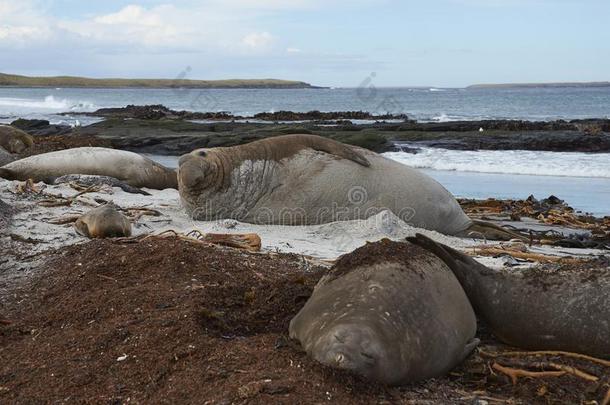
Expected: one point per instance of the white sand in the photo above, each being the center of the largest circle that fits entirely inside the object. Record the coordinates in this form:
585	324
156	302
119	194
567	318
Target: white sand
326	241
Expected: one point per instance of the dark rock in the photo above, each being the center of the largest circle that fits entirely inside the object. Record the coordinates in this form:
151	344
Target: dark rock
41	127
556	140
324	116
27	125
158	111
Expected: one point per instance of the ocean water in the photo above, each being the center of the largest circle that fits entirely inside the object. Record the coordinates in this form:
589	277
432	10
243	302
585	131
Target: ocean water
583	180
419	103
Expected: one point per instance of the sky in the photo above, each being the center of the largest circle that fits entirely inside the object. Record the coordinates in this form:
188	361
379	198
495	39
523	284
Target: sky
444	43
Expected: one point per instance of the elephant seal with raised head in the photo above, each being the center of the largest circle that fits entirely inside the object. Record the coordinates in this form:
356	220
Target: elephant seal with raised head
308	179
14	140
103	222
132	168
389	311
549	307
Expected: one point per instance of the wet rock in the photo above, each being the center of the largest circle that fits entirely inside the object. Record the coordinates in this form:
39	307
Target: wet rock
40	127
158	111
318	116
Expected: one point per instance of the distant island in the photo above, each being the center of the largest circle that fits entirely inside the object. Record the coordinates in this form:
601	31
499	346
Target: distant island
9	80
538	85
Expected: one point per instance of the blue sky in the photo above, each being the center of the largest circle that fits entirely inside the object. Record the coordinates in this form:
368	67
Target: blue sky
327	42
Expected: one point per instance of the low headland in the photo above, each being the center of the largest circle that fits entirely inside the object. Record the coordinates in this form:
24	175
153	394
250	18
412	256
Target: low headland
9	80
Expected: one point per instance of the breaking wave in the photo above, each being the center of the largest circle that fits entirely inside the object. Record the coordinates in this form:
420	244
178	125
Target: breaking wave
540	163
47	103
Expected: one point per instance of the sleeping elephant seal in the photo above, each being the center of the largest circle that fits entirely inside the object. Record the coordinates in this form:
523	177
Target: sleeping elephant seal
308	179
103	222
132	168
550	307
389	311
14	140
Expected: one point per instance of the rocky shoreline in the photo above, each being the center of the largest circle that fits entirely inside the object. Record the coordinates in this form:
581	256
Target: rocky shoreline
159	130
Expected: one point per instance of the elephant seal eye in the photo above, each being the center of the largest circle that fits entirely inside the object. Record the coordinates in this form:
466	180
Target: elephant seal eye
202	153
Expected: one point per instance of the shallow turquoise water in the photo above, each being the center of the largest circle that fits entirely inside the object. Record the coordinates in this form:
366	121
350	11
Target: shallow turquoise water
585	194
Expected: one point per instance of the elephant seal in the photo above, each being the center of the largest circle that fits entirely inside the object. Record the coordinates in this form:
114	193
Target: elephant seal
389	311
103	222
14	140
308	179
5	157
132	168
550	307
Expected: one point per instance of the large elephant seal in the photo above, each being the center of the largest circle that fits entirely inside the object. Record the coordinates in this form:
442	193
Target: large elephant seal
103	222
550	307
14	140
307	179
132	168
389	311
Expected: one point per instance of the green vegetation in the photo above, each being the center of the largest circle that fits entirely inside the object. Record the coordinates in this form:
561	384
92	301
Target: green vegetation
72	81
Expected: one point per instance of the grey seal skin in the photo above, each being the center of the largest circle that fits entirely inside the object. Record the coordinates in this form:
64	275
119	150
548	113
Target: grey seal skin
132	168
14	140
5	157
566	307
308	179
389	311
103	222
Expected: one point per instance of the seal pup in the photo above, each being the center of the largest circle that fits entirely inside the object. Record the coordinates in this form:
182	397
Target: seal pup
389	311
550	307
308	179
103	222
14	140
132	168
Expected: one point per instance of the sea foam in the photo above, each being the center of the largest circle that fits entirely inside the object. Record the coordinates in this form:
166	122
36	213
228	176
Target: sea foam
541	163
47	103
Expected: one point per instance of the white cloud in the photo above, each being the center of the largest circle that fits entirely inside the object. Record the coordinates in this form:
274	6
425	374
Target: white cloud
21	23
131	15
258	40
230	26
293	50
157	27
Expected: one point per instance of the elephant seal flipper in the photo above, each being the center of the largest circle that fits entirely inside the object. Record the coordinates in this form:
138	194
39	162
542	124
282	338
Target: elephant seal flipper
93	180
338	149
548	307
491	231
